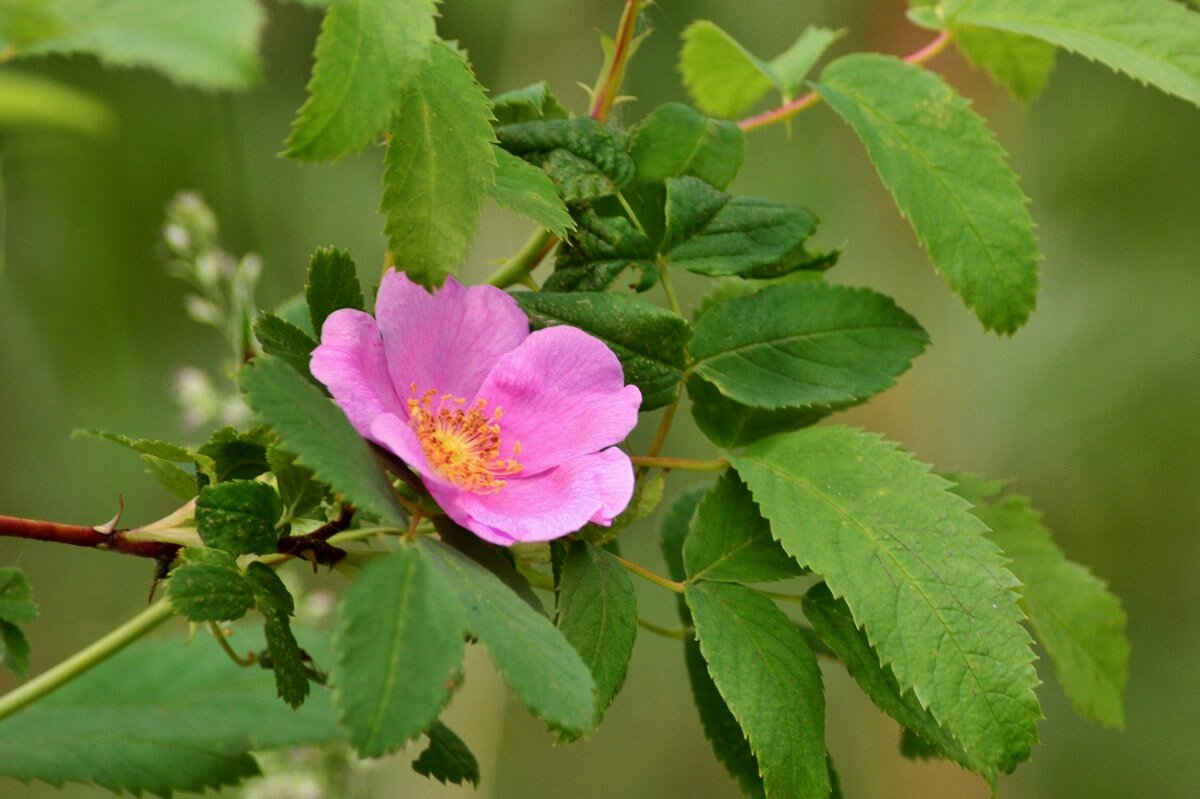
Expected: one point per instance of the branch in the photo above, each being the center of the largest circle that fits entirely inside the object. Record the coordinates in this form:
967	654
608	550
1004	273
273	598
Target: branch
610	83
81	536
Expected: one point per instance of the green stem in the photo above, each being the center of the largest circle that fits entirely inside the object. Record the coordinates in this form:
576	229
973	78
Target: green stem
669	288
657	579
629	213
681	633
683	464
86	658
781	597
521	264
219	634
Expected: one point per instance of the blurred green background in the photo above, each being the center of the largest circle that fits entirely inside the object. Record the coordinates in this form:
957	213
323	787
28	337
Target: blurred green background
1092	407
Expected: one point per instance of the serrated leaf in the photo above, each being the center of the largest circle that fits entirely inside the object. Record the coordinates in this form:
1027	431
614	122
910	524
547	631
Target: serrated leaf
727	423
238	455
159	449
728	742
211	44
537	663
530	192
761	664
650	341
298	490
673	530
1022	64
210	591
1151	40
159	717
1074	616
319	435
367	54
586	159
805	345
332	285
16	596
597	614
399	645
439	167
832	620
598	251
239	517
527	104
647	494
729	541
948	176
447	759
714	233
274	602
674	141
29	101
496	559
722	77
915	568
791	67
285	341
178	483
14	649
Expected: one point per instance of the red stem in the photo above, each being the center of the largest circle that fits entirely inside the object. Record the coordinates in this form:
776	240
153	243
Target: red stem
606	96
80	536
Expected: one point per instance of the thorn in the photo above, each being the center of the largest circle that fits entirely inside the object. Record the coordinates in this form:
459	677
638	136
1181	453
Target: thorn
110	525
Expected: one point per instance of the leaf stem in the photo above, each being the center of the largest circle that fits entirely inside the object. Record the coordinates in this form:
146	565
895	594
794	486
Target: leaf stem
86	658
610	82
681	633
780	597
669	288
219	634
524	262
643	572
789	110
682	464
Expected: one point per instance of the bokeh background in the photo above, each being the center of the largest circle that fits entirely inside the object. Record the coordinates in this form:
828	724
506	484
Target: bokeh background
1092	406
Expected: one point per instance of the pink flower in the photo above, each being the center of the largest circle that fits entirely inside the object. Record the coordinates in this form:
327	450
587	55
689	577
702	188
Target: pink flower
511	431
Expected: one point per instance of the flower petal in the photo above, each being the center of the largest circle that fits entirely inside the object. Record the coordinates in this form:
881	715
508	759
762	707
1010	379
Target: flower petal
350	362
563	394
594	487
447	341
394	434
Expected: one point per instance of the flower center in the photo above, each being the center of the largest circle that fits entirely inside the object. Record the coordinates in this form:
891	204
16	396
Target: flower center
461	441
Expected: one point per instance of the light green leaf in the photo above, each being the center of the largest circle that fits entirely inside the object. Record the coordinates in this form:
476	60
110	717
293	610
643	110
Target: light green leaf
178	482
598	251
298	491
1074	616
399	645
1021	64
31	101
674	141
649	341
919	575
210	591
729	540
319	435
239	517
948	177
586	159
538	664
16	596
286	342
275	603
530	192
805	345
722	77
14	649
721	729
447	758
160	717
207	43
1151	40
439	167
527	104
768	677
731	424
791	67
159	449
332	285
597	614
367	54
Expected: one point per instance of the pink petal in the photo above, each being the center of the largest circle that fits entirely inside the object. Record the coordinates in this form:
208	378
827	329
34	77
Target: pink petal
350	362
447	341
594	487
563	395
395	435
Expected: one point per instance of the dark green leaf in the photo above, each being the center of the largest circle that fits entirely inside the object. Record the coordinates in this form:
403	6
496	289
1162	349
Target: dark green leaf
673	530
447	758
298	491
367	54
16	596
14	649
318	434
731	424
527	104
585	158
496	559
721	729
530	192
729	541
762	665
650	341
238	455
598	251
274	602
597	614
210	591
159	449
285	341
948	176
179	483
675	141
805	345
332	285
239	517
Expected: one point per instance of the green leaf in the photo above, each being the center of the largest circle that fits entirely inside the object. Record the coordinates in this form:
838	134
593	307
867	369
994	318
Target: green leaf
368	53
762	665
791	67
286	342
673	530
674	141
179	483
530	192
275	603
832	620
729	541
731	424
298	491
159	717
538	664
527	104
399	645
597	614
159	449
496	559
948	176
207	43
714	233
332	285
239	517
1074	616
917	572
586	159
238	455
29	101
721	729
650	341
1021	64
805	345
16	596
318	434
647	494
439	167
14	649
722	77
598	251
447	758
1151	40
210	591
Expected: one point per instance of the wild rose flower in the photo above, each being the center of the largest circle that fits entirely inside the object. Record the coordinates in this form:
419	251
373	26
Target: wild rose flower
511	431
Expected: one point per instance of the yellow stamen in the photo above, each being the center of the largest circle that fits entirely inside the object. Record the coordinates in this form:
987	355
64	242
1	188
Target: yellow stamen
461	442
